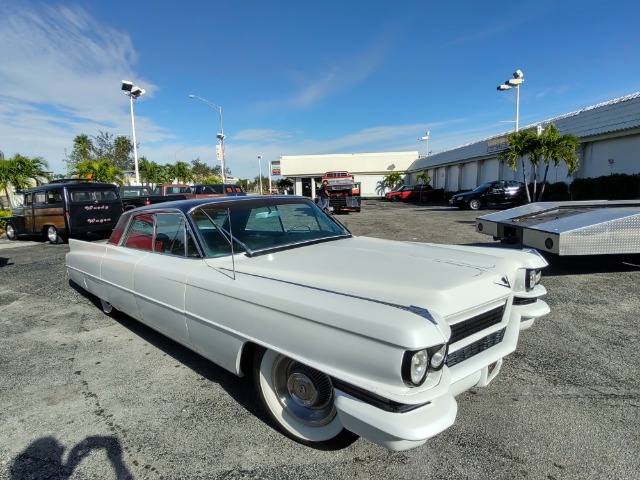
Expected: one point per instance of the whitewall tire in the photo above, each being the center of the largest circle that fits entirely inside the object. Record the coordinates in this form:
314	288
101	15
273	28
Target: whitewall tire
300	400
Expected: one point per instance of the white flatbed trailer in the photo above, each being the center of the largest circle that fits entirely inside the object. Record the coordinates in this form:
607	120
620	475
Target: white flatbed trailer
594	227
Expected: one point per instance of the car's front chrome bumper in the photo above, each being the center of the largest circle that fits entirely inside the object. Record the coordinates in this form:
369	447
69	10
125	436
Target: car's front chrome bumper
392	430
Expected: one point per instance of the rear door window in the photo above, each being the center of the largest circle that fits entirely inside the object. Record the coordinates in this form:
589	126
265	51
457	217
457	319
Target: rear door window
54	197
39	198
172	236
140	234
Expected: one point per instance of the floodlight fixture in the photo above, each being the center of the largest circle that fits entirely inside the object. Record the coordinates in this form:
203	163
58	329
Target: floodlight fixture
133	93
137	91
515	82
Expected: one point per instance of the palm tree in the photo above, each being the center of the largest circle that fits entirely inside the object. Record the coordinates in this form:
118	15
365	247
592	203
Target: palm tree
22	172
392	180
83	150
5	176
181	172
99	171
83	145
556	147
535	154
424	177
151	172
122	149
520	145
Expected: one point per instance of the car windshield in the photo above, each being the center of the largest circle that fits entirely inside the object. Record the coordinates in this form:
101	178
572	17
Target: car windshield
263	225
483	187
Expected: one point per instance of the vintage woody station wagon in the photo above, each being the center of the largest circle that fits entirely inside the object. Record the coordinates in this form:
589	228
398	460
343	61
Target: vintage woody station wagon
66	208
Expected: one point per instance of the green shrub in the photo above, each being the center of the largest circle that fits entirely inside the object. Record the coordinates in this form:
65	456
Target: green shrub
610	187
555	192
3	222
437	195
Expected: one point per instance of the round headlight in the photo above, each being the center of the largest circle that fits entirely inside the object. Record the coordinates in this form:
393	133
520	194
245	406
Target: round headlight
532	279
438	357
415	366
419	366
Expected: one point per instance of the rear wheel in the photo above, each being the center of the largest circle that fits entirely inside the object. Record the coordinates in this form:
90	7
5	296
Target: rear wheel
53	235
11	232
107	308
300	400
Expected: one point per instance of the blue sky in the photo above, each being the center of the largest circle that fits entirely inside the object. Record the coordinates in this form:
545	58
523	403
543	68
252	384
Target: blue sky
302	77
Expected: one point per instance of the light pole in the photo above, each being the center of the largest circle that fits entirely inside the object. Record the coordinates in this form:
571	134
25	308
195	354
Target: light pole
270	170
219	136
426	137
133	93
260	171
516	81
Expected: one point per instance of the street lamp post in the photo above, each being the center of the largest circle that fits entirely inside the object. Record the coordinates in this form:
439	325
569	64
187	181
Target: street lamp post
516	81
260	172
426	137
133	93
270	170
220	136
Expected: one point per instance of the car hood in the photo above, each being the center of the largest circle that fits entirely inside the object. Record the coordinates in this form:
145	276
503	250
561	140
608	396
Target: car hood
440	278
466	194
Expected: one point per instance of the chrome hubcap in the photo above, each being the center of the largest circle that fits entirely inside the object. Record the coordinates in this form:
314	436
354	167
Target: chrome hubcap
305	393
52	234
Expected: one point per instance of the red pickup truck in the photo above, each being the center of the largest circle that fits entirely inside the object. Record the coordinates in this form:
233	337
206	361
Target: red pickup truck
138	196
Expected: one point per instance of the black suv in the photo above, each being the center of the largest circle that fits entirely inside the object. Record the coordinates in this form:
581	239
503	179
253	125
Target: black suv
498	193
66	208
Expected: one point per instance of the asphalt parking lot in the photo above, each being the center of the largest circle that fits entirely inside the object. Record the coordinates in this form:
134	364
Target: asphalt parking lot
84	396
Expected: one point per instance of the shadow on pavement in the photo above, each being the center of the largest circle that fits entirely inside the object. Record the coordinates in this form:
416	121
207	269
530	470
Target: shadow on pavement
239	388
43	458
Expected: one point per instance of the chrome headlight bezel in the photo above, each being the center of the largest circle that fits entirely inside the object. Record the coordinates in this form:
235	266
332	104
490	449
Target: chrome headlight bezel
416	364
532	278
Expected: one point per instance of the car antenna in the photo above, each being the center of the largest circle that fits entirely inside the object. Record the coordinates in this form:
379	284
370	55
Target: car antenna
233	257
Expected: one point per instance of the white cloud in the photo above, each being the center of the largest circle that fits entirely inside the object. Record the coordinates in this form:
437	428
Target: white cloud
60	77
329	79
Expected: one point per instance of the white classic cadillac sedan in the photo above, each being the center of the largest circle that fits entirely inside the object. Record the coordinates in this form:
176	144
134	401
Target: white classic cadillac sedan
273	287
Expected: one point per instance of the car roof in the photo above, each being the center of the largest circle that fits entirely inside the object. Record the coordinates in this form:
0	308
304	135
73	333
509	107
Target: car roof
187	205
58	184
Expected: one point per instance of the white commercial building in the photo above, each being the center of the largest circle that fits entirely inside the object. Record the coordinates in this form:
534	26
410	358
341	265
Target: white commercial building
368	169
609	136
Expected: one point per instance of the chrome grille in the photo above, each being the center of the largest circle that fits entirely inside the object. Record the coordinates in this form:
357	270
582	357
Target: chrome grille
475	348
476	324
